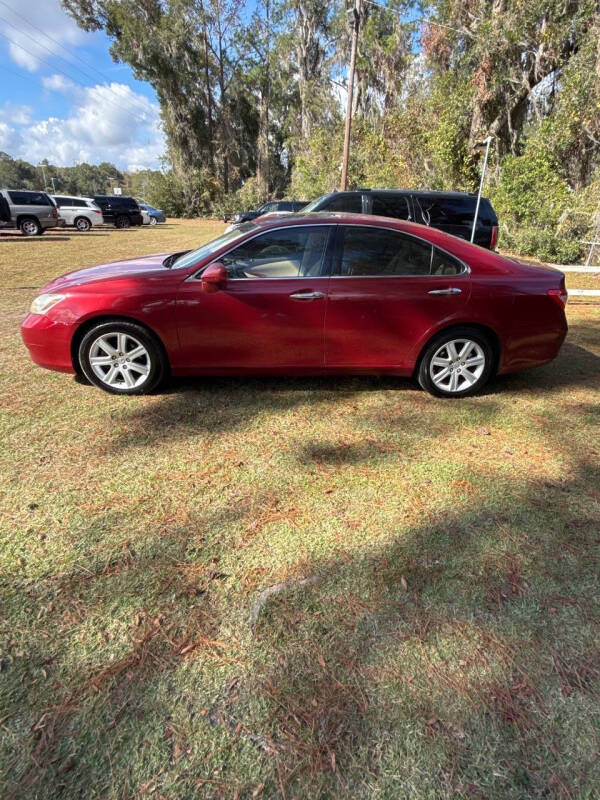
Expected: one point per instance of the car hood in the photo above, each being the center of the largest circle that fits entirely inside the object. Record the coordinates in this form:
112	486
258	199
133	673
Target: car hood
132	267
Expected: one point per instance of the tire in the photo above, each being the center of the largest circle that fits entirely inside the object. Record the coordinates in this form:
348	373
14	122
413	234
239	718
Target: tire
122	221
30	226
82	224
153	221
105	357
456	363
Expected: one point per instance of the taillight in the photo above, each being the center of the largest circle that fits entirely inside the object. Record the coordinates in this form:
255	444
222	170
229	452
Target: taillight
96	211
494	237
559	296
55	212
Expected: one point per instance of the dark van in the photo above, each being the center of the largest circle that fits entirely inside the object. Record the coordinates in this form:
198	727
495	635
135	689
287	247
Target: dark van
452	212
118	210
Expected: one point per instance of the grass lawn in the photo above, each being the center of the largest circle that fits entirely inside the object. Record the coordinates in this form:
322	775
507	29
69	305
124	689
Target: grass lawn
437	631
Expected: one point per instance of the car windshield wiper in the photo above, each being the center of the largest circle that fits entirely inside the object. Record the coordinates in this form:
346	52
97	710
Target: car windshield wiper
170	260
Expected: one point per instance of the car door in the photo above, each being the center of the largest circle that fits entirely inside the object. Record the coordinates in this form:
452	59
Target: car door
387	290
270	313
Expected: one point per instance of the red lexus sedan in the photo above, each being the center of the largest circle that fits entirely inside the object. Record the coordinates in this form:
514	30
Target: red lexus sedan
313	294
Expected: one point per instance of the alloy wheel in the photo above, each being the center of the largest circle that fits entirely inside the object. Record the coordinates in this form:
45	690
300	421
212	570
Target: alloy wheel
457	365
120	360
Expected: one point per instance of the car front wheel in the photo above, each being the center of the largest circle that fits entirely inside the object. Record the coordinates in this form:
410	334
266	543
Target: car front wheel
456	363
122	358
153	220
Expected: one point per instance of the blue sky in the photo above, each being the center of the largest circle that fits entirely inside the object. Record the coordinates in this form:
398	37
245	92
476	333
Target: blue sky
63	98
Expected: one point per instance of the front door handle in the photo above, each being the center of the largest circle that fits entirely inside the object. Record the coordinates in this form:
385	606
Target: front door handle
307	296
451	290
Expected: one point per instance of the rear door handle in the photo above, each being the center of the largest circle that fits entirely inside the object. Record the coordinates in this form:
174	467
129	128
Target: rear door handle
307	296
451	290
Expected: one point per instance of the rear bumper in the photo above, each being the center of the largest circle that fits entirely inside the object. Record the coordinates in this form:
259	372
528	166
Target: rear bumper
52	223
48	342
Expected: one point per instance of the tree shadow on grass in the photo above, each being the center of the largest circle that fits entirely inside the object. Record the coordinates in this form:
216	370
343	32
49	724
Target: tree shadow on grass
465	634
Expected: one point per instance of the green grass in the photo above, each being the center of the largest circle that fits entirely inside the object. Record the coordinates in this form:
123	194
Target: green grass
446	647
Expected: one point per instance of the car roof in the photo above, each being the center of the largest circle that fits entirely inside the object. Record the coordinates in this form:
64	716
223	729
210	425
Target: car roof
74	196
416	192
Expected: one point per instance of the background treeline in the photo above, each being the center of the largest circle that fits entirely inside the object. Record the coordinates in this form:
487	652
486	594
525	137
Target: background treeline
252	102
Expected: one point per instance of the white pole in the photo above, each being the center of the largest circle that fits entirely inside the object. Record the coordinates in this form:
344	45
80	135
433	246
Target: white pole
488	142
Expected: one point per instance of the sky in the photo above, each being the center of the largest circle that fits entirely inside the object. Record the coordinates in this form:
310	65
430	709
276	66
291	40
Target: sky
63	98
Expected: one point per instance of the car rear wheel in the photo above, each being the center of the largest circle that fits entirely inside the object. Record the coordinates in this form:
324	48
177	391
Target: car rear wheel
153	220
456	363
83	224
122	358
122	221
30	226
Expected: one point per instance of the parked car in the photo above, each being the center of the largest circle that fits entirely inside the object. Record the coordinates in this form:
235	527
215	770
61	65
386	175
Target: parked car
156	215
78	212
452	212
274	206
119	210
31	212
312	294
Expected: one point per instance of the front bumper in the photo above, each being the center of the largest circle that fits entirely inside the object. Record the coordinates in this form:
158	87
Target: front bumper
48	342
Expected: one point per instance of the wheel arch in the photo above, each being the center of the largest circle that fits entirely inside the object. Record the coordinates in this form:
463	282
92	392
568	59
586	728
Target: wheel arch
88	324
21	217
486	330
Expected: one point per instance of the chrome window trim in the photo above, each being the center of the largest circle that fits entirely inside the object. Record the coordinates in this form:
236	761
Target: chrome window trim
466	267
196	276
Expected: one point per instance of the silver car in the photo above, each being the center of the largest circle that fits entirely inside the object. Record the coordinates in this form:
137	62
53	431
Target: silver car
31	212
79	212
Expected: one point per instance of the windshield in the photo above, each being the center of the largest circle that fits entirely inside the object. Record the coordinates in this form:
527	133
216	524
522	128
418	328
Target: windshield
191	258
314	204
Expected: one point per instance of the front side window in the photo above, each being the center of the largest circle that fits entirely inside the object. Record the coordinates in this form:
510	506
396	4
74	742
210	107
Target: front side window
293	252
370	252
349	203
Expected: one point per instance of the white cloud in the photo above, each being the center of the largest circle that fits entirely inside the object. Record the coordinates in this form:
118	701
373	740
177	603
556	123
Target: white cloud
28	47
14	114
9	138
107	123
57	83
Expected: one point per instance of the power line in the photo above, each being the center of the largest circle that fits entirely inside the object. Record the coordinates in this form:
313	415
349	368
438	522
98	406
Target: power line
66	75
62	47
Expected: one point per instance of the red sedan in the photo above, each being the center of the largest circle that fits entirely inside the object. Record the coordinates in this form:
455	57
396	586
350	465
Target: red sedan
313	294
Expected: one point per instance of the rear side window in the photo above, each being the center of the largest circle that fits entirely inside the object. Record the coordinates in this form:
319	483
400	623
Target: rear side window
394	206
453	211
350	203
30	198
370	252
375	252
445	264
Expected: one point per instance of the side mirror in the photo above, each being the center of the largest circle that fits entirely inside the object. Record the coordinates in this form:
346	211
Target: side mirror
214	277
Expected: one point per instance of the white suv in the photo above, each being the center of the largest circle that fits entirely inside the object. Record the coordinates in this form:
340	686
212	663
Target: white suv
80	212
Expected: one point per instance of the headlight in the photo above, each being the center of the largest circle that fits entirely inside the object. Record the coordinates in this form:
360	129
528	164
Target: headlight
45	302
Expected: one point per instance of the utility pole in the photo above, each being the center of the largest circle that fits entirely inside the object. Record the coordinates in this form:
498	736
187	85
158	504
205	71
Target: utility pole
355	26
44	174
53	184
486	143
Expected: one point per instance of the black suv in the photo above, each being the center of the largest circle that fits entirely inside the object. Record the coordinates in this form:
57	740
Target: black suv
451	212
120	211
273	206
